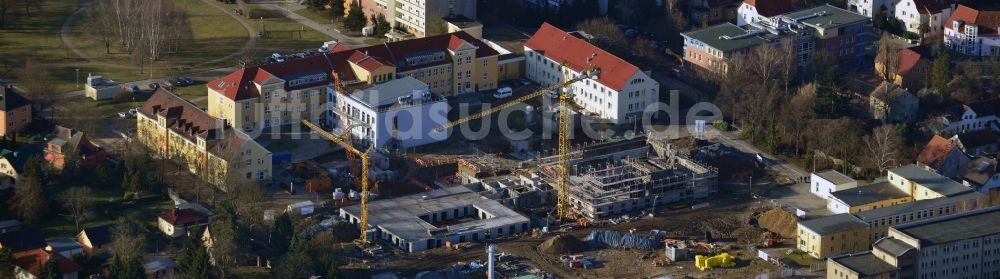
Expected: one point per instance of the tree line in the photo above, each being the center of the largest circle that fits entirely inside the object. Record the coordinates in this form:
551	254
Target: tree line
144	29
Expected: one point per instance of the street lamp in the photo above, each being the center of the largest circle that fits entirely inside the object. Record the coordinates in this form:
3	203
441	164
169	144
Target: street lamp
77	77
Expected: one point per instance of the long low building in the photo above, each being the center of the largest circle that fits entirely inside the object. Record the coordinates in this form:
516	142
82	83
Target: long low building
425	221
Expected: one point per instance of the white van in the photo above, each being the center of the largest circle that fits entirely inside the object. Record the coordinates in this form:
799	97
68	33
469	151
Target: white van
503	92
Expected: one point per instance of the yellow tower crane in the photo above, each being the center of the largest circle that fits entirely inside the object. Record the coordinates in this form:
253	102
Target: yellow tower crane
350	149
562	167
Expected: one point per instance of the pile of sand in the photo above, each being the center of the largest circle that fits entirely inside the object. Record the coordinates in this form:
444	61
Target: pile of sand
779	221
562	244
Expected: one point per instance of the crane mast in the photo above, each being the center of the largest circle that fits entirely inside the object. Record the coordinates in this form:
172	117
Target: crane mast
365	165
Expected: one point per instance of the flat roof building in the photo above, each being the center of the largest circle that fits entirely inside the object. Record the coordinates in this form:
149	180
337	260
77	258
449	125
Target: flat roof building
880	219
399	113
832	235
868	197
429	220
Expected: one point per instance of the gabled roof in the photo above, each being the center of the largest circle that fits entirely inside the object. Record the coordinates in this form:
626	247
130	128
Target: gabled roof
33	260
366	62
193	123
979	171
908	58
977	138
932	6
981	108
769	8
935	152
183	217
987	21
888	92
22	240
18	158
931	180
76	139
581	56
10	100
99	235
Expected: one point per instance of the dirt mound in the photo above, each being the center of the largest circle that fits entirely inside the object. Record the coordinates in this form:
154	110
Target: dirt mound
779	221
562	244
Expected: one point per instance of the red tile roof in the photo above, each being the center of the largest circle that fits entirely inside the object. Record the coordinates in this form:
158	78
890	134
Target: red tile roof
988	21
454	42
240	85
32	261
935	152
576	53
366	62
907	60
769	8
182	217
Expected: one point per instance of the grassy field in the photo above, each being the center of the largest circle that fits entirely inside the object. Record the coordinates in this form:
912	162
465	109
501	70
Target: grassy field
108	207
322	17
283	34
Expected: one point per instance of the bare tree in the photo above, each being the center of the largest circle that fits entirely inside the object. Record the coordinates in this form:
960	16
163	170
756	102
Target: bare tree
37	82
883	148
105	28
798	115
29	202
887	58
77	201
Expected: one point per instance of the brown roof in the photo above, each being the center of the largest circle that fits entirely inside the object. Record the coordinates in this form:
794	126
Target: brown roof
581	56
77	140
32	261
769	8
366	62
193	123
185	216
988	21
935	151
908	59
888	92
932	6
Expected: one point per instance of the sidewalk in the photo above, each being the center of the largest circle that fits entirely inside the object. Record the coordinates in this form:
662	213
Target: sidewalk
352	42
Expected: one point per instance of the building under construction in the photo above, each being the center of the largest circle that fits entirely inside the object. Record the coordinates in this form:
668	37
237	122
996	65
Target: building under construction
603	190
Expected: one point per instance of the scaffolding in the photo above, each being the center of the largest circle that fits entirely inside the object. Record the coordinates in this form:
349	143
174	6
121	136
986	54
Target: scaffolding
639	183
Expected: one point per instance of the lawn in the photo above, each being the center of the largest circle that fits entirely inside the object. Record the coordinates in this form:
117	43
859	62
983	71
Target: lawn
283	34
321	17
108	207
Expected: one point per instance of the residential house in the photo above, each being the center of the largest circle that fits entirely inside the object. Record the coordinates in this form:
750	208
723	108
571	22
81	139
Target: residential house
973	116
829	181
400	113
621	93
957	246
65	247
418	17
871	8
761	10
175	129
826	28
942	156
912	70
22	240
982	174
179	221
924	17
876	195
12	164
70	140
30	262
15	111
288	92
704	12
95	240
832	235
978	143
973	32
893	104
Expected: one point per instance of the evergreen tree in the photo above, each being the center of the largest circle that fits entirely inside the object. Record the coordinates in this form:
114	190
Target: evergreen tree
7	263
281	234
126	268
333	271
50	270
941	72
355	19
296	264
193	260
337	8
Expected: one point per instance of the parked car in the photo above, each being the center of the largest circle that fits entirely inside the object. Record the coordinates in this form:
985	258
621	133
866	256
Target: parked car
503	92
154	86
168	84
124	115
184	81
134	89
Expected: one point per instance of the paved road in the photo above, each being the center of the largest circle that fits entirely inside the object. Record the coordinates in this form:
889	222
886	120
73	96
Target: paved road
144	84
325	28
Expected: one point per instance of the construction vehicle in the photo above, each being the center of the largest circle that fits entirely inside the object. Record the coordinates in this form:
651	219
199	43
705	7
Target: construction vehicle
365	164
565	123
721	260
771	240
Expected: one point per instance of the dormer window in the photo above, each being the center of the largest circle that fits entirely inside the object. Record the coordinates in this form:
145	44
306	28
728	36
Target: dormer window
201	143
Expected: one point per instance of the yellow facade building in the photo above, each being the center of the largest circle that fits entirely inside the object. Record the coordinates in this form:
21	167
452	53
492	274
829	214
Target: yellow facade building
286	92
175	129
832	235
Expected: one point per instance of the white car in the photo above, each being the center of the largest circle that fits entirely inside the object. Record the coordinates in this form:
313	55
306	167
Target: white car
503	92
551	95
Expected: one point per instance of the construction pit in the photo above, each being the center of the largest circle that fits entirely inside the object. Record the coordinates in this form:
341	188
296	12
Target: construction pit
729	226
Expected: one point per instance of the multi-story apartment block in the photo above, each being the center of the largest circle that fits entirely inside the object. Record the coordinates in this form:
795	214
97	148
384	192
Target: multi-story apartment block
973	32
620	94
418	17
871	8
287	92
400	113
832	235
965	245
925	17
15	111
175	129
836	31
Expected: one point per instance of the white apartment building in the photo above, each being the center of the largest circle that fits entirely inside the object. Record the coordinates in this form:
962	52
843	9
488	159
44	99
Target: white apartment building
973	32
399	113
870	8
620	94
416	16
933	13
826	182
